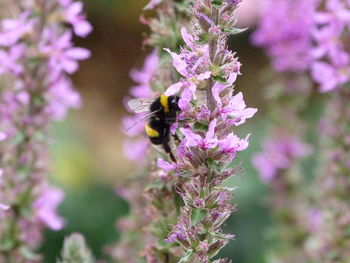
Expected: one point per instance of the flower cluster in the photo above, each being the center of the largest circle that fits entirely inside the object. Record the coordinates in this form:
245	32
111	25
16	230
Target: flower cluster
208	146
150	193
304	36
327	60
331	68
329	238
284	31
278	154
36	56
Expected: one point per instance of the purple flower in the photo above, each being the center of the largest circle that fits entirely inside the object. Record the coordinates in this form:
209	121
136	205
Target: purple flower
328	42
234	109
278	153
165	165
332	66
144	76
192	79
72	13
193	139
3	137
61	98
135	150
14	29
138	127
61	53
337	12
193	65
284	30
9	60
330	77
35	53
45	207
232	144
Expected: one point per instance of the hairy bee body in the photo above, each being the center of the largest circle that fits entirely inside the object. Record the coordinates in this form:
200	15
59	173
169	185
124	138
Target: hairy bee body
165	110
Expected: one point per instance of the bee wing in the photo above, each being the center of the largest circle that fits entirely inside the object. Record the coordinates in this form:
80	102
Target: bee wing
142	119
139	105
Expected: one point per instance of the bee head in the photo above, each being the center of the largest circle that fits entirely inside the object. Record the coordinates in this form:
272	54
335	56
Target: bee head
174	103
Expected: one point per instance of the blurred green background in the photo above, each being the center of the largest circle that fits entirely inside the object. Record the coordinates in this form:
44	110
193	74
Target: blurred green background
87	150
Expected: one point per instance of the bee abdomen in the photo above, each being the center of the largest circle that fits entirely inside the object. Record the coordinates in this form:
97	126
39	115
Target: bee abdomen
152	133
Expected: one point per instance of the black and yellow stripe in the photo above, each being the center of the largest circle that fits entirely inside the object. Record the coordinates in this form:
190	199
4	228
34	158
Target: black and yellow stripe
152	133
164	101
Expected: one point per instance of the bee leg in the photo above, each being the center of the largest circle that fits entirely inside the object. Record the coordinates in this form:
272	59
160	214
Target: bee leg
168	151
176	137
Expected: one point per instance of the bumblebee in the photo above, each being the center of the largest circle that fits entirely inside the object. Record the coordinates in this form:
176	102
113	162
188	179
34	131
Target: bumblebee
163	113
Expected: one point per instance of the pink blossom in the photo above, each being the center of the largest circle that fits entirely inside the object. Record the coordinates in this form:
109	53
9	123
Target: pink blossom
135	150
278	153
133	121
61	53
9	60
194	139
235	109
165	165
328	41
72	13
336	12
193	65
3	137
144	76
232	144
62	97
14	29
45	207
330	77
284	30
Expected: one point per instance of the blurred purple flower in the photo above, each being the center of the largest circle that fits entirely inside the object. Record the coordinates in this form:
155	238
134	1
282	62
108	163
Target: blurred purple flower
135	149
144	76
36	52
278	153
12	30
165	165
9	60
284	30
45	207
62	97
72	13
61	53
329	77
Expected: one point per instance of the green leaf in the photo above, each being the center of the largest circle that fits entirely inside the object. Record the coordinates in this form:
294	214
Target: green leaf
186	257
197	215
29	255
216	3
234	31
200	126
220	79
213	165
